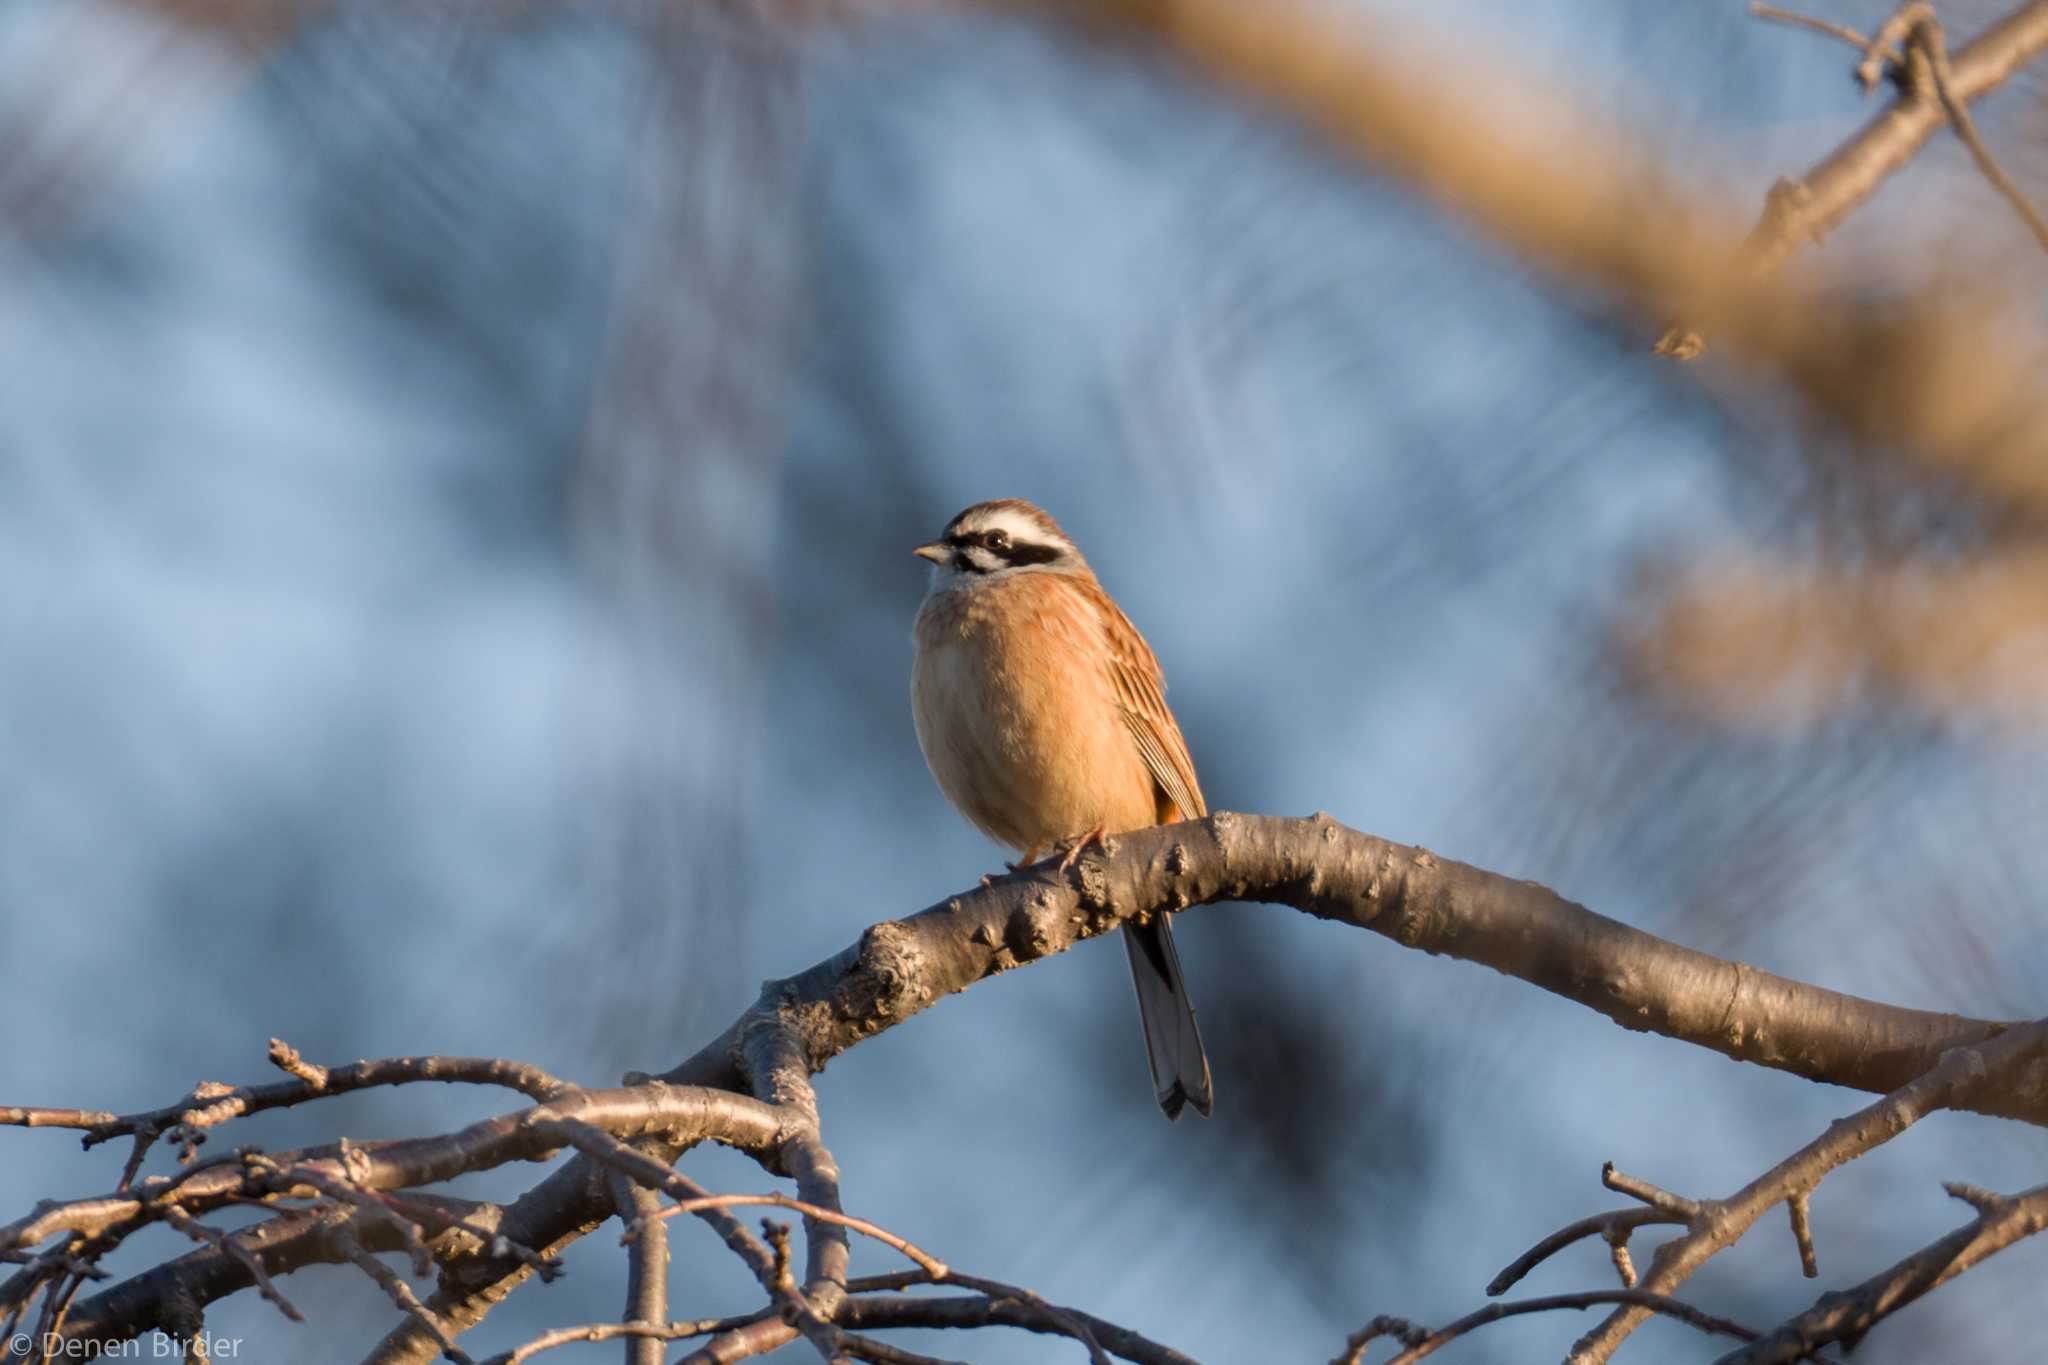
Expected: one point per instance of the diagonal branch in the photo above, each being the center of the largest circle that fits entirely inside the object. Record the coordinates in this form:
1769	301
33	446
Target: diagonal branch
1924	35
1613	1227
1845	1315
1837	185
1418	1342
1717	1225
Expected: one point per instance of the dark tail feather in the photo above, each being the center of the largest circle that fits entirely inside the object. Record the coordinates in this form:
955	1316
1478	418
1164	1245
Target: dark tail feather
1173	1045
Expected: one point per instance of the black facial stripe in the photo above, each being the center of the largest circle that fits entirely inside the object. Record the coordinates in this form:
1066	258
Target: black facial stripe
1011	555
1032	554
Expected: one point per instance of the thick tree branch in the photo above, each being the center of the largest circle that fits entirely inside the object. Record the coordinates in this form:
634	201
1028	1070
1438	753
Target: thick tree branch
1409	895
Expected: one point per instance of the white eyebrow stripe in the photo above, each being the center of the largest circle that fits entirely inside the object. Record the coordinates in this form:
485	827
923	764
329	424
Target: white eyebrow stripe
1017	526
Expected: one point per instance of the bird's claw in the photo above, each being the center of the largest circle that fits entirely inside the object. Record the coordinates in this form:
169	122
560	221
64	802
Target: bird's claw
1093	836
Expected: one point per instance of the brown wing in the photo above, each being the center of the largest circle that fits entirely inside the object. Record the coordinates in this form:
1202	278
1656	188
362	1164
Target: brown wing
1141	695
1173	1044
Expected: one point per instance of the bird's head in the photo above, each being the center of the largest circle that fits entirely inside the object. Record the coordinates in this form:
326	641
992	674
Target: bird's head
989	539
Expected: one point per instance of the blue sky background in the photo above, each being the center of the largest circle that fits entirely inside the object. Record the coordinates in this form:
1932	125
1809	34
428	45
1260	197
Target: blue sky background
454	597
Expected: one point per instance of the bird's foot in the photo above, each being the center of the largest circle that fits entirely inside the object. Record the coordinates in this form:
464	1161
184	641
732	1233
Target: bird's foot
1030	857
1093	836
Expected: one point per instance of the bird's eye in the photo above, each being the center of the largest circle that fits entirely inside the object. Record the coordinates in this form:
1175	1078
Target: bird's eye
997	540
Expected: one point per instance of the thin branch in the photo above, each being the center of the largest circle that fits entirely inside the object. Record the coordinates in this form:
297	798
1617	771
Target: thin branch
155	1298
1419	1342
402	1294
527	1134
1880	47
1719	1224
1846	1315
211	1103
882	1353
930	1264
222	1241
1802	1235
1808	208
1928	37
1614	1227
1807	21
1675	1206
647	1261
795	1307
612	1331
286	1058
1017	1309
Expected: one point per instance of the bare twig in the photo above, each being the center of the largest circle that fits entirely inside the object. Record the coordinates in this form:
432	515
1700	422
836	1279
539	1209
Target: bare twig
199	1232
882	1353
646	1266
1676	1206
1015	1308
212	1103
521	1135
286	1058
402	1294
613	1331
796	1307
56	1305
930	1264
1802	1234
1419	1342
1719	1224
1846	1315
1925	34
1806	21
1614	1227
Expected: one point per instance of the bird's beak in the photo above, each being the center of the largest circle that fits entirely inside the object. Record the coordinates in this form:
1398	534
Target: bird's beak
935	552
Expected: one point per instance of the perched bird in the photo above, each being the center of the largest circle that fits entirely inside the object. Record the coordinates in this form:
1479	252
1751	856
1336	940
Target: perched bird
1042	714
